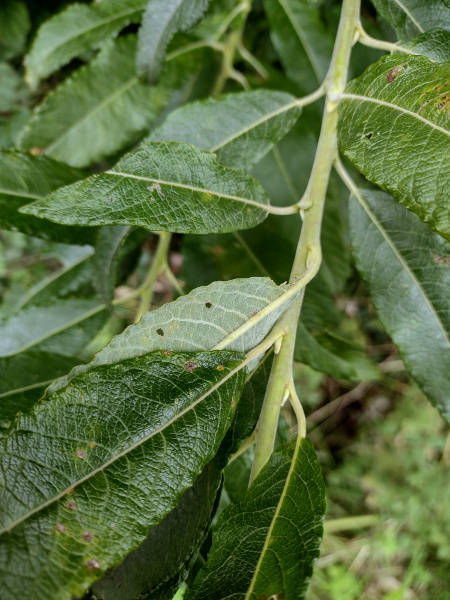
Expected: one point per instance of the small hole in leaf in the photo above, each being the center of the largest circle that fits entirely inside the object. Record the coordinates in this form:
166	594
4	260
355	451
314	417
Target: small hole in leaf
368	135
208	304
160	332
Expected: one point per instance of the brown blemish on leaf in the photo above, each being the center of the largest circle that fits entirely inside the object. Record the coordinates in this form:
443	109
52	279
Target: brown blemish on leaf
37	151
60	527
70	492
92	564
71	505
233	403
393	74
263	597
190	366
217	250
91	444
220	368
87	536
441	260
81	454
167	352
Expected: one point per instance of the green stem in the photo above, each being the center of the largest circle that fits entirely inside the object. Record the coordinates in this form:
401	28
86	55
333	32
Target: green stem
312	204
350	523
158	264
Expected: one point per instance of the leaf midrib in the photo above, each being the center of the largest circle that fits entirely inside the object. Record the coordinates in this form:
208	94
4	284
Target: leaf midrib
410	16
21	194
410	113
402	261
124	452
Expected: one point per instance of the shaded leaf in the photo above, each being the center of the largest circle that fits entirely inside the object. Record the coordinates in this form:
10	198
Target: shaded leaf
412	17
395	127
300	39
165	186
161	20
88	473
110	241
24	178
14	27
407	270
12	88
435	44
82	120
76	29
266	544
239	128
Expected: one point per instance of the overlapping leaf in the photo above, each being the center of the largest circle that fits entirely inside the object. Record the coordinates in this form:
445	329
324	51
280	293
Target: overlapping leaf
395	127
412	17
162	19
435	44
83	120
239	128
77	29
407	269
89	472
164	186
266	544
24	178
14	27
300	40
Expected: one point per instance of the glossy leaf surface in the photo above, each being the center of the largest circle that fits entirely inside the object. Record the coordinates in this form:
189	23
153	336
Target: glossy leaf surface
412	17
395	127
83	471
266	544
82	120
161	20
239	128
407	269
75	30
164	186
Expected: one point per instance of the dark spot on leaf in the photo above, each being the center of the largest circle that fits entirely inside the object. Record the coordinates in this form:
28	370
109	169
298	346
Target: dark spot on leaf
393	74
190	366
167	352
368	136
254	314
60	527
220	368
92	564
160	332
71	505
70	492
91	444
208	304
87	536
81	454
263	597
111	198
74	598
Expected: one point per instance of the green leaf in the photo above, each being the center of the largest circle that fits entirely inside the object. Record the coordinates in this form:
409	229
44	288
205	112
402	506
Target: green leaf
24	178
201	320
161	20
412	17
266	544
88	473
83	119
110	241
407	270
240	128
74	31
435	44
300	39
12	88
14	27
169	549
395	127
165	186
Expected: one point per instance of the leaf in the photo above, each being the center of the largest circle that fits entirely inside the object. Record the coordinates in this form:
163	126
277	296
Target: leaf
266	544
240	128
75	30
394	126
24	178
165	186
407	270
170	547
83	119
201	320
412	17
110	241
435	44
12	88
88	473
14	27
300	39
161	20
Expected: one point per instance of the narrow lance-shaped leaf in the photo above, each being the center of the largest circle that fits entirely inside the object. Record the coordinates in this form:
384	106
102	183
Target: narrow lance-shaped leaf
207	317
162	19
394	126
74	31
83	119
407	269
239	128
89	472
110	240
412	17
164	186
24	178
300	39
265	545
